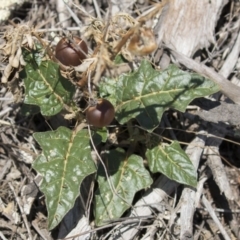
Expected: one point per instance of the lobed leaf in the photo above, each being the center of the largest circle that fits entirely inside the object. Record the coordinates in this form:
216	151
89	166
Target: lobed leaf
66	160
146	93
173	162
127	175
45	86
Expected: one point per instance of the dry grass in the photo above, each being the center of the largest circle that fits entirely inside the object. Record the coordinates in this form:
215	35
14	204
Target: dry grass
206	41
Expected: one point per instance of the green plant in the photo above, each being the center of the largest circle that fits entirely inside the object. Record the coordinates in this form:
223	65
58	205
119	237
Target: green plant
140	98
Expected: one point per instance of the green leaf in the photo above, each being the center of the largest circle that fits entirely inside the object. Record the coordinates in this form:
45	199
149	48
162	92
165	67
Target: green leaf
107	88
28	109
34	56
146	93
119	59
45	86
173	162
127	175
66	160
103	133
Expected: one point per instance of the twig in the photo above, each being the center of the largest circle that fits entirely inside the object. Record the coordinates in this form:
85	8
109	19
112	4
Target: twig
232	58
200	230
189	195
157	9
5	169
21	210
74	16
97	9
215	164
8	124
221	210
61	10
149	235
6	110
166	121
2	236
42	232
89	86
228	88
101	64
89	200
200	188
7	99
202	133
109	16
214	217
57	29
144	218
82	231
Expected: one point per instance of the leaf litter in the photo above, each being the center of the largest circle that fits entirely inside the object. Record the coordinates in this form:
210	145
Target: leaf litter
210	43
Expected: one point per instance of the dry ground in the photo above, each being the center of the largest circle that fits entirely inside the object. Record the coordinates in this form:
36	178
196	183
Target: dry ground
202	36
